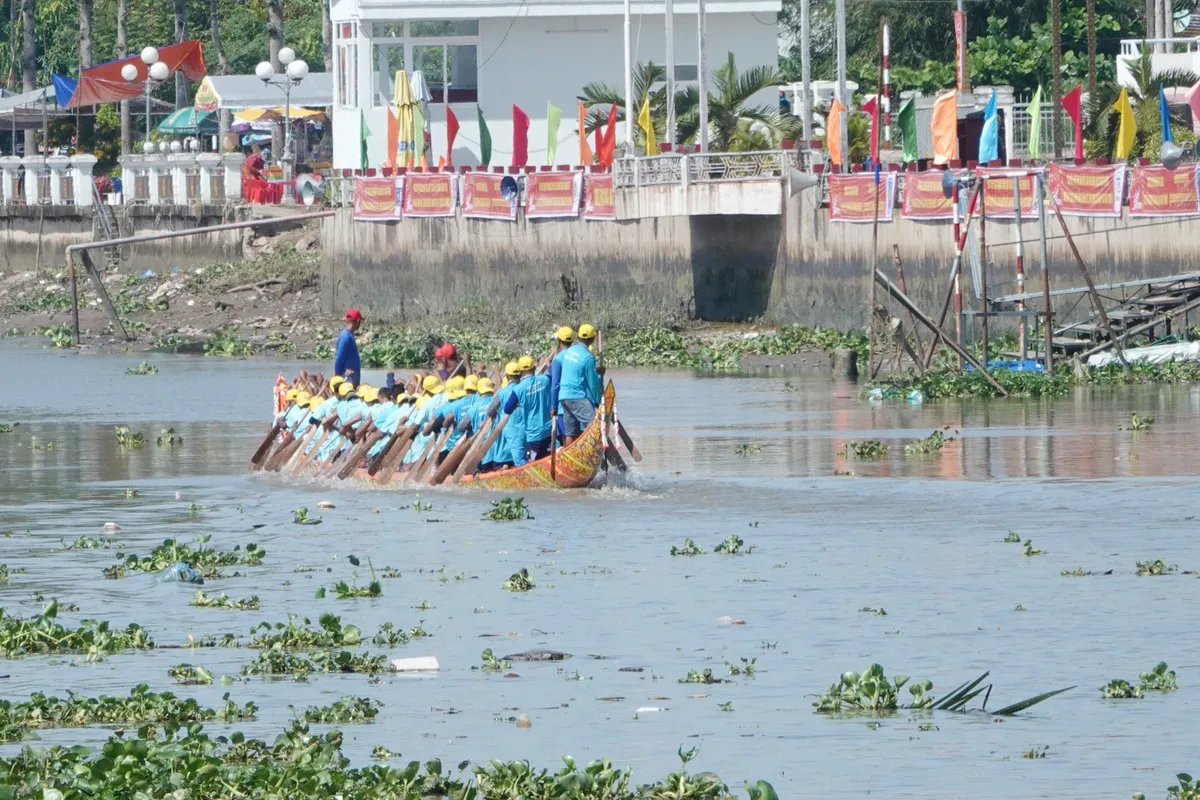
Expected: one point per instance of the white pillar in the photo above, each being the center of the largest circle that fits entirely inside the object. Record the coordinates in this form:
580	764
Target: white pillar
154	166
10	168
34	166
82	167
179	164
208	163
233	175
58	169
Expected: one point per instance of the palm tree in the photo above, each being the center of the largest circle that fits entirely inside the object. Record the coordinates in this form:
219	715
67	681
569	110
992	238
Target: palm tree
600	97
1101	131
735	125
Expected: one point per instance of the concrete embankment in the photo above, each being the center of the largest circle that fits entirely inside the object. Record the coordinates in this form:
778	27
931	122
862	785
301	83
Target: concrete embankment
790	266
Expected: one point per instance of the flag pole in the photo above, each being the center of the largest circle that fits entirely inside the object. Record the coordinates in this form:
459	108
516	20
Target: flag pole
702	67
806	71
669	11
628	78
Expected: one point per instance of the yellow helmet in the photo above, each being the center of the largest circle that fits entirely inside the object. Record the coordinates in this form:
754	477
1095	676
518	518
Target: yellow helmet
454	388
345	388
565	334
315	401
432	384
587	331
512	369
302	398
486	386
336	381
290	395
369	394
525	362
472	383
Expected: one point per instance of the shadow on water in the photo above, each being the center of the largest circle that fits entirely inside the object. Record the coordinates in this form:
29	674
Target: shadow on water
928	551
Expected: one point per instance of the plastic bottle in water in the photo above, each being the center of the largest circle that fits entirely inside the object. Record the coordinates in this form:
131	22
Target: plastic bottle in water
875	393
915	396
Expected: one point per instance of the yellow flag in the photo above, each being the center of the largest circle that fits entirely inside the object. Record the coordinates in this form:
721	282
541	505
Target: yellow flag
833	131
1127	131
647	125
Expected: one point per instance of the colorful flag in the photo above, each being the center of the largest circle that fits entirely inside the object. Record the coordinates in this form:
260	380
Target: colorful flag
364	133
1193	101
585	153
610	139
872	108
833	131
1035	124
520	147
907	121
1127	130
419	137
451	134
1164	114
485	140
989	137
944	127
646	123
393	139
1072	104
553	119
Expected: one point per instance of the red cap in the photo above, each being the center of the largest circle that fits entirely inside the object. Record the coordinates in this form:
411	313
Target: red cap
354	315
447	350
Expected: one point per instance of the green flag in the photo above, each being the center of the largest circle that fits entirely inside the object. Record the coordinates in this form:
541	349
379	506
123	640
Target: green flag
1035	124
364	133
418	135
485	140
907	120
553	117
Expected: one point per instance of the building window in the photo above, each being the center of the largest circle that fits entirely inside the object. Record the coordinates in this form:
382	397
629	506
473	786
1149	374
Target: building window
346	63
446	52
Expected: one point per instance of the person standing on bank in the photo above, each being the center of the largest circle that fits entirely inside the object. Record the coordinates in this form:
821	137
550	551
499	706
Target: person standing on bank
345	361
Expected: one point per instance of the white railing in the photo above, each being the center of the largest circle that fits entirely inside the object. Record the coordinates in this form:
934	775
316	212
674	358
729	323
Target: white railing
683	168
1133	47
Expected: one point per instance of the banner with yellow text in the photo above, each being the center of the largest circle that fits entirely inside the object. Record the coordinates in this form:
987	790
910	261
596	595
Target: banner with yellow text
923	198
430	195
998	192
1088	191
378	199
481	197
599	202
852	197
553	194
1160	192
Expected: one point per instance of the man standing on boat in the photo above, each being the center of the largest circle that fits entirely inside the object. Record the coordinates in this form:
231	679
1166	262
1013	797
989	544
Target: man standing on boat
537	409
579	385
345	362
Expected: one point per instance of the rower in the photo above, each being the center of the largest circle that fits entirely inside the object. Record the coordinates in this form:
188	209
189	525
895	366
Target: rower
579	386
390	420
511	443
537	409
446	362
457	403
563	338
350	412
346	362
479	412
432	398
324	412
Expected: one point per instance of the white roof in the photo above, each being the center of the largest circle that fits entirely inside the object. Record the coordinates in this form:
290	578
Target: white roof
247	91
479	9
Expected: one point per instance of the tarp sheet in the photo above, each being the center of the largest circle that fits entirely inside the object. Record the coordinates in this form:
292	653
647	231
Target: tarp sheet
236	92
104	84
64	88
1154	354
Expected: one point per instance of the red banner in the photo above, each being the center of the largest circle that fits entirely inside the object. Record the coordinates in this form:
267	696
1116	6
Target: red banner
104	83
1160	192
852	197
1088	191
998	192
552	194
960	50
378	199
429	195
923	198
481	197
598	199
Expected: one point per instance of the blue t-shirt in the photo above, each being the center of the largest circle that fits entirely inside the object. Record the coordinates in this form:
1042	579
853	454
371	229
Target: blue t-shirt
457	408
556	379
537	408
346	357
511	444
580	380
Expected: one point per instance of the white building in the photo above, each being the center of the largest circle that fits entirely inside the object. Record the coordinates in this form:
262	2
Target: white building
524	52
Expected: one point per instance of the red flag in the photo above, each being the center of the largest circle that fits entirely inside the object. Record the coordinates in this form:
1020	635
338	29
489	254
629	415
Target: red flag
520	137
1071	103
598	137
451	134
609	146
872	108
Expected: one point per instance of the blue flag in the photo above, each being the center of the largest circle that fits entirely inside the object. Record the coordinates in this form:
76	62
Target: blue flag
989	138
1165	114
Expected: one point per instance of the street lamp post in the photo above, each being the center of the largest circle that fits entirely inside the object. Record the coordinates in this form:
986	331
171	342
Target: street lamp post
295	70
156	73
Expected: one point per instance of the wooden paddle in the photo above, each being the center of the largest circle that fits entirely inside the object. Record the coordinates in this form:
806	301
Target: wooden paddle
627	441
471	463
452	460
398	439
256	460
476	441
359	454
397	458
288	449
553	445
418	474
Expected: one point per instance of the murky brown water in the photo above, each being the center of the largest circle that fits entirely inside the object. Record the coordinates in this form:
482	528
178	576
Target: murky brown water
924	543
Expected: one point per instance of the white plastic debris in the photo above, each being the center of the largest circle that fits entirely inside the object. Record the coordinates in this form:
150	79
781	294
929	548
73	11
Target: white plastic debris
418	664
648	709
326	504
111	527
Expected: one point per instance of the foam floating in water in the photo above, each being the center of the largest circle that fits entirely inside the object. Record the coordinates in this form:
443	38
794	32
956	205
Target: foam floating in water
418	664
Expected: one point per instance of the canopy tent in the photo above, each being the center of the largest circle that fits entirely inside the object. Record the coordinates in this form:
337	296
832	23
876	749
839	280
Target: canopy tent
64	88
189	122
276	114
104	83
237	92
28	110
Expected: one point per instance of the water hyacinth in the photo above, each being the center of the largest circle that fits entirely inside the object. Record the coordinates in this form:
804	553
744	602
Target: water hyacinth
43	634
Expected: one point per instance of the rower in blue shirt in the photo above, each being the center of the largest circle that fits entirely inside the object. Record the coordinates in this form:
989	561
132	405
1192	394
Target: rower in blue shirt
345	361
510	446
537	410
563	338
579	386
479	414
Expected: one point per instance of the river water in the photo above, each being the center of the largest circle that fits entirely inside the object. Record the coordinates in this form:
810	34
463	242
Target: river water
921	537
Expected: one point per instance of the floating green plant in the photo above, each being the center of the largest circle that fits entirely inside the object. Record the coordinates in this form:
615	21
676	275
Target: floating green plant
1155	567
1078	572
1030	550
732	545
201	600
1139	423
204	559
144	368
1012	537
689	548
701	676
520	581
747	668
43	634
1118	689
933	443
1036	752
190	675
509	509
491	663
866	450
747	450
879	612
300	517
128	439
168	438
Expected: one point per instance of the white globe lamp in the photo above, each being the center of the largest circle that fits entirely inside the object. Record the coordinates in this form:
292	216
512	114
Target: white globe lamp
129	72
159	71
176	147
149	55
297	70
264	71
148	148
162	147
286	56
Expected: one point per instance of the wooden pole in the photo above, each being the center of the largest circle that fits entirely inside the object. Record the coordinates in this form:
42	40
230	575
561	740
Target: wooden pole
1020	261
911	320
953	291
983	271
1047	308
74	296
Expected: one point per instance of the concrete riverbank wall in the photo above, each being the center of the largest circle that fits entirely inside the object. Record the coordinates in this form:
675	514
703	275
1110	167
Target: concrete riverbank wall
58	226
789	265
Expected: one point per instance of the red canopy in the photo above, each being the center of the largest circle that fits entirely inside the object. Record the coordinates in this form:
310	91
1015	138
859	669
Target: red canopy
104	84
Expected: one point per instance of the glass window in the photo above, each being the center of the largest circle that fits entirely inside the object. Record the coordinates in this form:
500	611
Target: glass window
460	61
387	30
440	29
346	30
437	48
346	66
386	60
686	72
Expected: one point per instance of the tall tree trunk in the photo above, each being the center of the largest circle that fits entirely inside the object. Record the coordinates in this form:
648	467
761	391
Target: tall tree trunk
11	79
122	52
1091	34
181	86
326	36
1056	72
28	65
275	31
86	122
214	21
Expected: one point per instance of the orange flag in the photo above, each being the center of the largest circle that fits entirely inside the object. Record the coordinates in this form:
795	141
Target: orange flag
833	132
944	127
585	153
393	140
